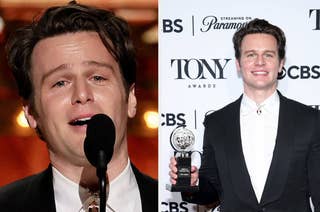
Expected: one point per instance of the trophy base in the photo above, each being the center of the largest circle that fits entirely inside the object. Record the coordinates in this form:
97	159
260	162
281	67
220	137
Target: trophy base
182	188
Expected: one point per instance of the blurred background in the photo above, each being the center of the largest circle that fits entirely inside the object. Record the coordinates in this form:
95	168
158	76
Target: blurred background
21	152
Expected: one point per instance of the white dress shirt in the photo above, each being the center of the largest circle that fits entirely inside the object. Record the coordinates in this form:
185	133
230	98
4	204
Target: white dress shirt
259	125
123	196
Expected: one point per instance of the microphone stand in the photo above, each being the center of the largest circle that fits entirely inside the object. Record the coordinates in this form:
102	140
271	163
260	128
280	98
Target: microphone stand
101	174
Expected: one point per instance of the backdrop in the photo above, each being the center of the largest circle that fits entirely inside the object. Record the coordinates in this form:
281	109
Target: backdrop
197	72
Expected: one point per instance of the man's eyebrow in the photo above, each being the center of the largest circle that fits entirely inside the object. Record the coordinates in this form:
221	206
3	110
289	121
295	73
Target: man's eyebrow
66	66
98	64
265	51
247	51
271	51
54	70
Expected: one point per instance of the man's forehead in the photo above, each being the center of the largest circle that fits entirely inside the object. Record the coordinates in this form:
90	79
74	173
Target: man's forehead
259	36
71	48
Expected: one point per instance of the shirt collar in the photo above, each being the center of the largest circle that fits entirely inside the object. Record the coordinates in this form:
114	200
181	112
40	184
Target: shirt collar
124	186
70	193
270	105
67	192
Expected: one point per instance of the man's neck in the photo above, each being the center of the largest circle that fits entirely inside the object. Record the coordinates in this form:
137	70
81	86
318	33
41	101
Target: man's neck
259	96
118	162
85	174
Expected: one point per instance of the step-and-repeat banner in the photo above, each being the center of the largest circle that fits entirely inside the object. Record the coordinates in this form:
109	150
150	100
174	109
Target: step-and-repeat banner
197	72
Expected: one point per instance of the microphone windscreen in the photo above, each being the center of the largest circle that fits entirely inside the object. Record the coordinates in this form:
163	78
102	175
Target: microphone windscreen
100	136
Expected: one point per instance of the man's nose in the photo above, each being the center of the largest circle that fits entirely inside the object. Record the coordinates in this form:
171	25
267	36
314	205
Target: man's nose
260	60
82	93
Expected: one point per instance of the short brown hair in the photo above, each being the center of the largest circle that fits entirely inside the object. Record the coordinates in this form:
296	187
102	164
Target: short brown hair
74	17
259	26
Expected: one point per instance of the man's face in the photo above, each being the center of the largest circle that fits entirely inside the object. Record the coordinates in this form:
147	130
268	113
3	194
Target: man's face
75	77
259	63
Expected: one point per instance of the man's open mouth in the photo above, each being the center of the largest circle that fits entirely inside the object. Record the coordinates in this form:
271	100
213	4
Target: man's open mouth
80	122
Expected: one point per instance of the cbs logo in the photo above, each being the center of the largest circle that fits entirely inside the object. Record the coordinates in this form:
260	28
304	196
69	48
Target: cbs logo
169	25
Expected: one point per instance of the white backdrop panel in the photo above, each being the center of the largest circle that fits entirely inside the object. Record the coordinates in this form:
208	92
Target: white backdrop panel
197	71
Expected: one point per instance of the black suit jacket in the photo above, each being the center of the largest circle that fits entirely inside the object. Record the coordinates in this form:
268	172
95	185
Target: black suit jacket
294	174
35	193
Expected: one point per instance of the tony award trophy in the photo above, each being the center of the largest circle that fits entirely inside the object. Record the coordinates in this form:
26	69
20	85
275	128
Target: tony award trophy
182	140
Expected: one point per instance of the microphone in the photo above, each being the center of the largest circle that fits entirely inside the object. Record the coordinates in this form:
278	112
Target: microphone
98	148
99	141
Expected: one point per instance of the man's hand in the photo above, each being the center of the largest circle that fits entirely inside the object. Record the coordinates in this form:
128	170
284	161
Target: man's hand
173	172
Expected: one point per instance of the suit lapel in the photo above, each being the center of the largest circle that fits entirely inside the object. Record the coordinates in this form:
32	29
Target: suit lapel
279	168
233	148
148	189
39	195
46	190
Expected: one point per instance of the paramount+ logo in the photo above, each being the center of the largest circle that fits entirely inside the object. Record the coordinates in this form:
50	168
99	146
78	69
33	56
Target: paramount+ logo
207	23
300	72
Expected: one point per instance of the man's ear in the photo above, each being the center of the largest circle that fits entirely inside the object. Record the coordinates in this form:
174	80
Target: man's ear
281	65
28	113
132	102
238	66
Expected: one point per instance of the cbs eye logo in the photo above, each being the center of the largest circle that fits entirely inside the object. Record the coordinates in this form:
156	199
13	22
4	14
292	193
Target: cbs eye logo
282	73
300	72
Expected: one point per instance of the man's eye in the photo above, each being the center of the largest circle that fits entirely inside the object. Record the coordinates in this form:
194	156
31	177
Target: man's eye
98	78
269	55
59	84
